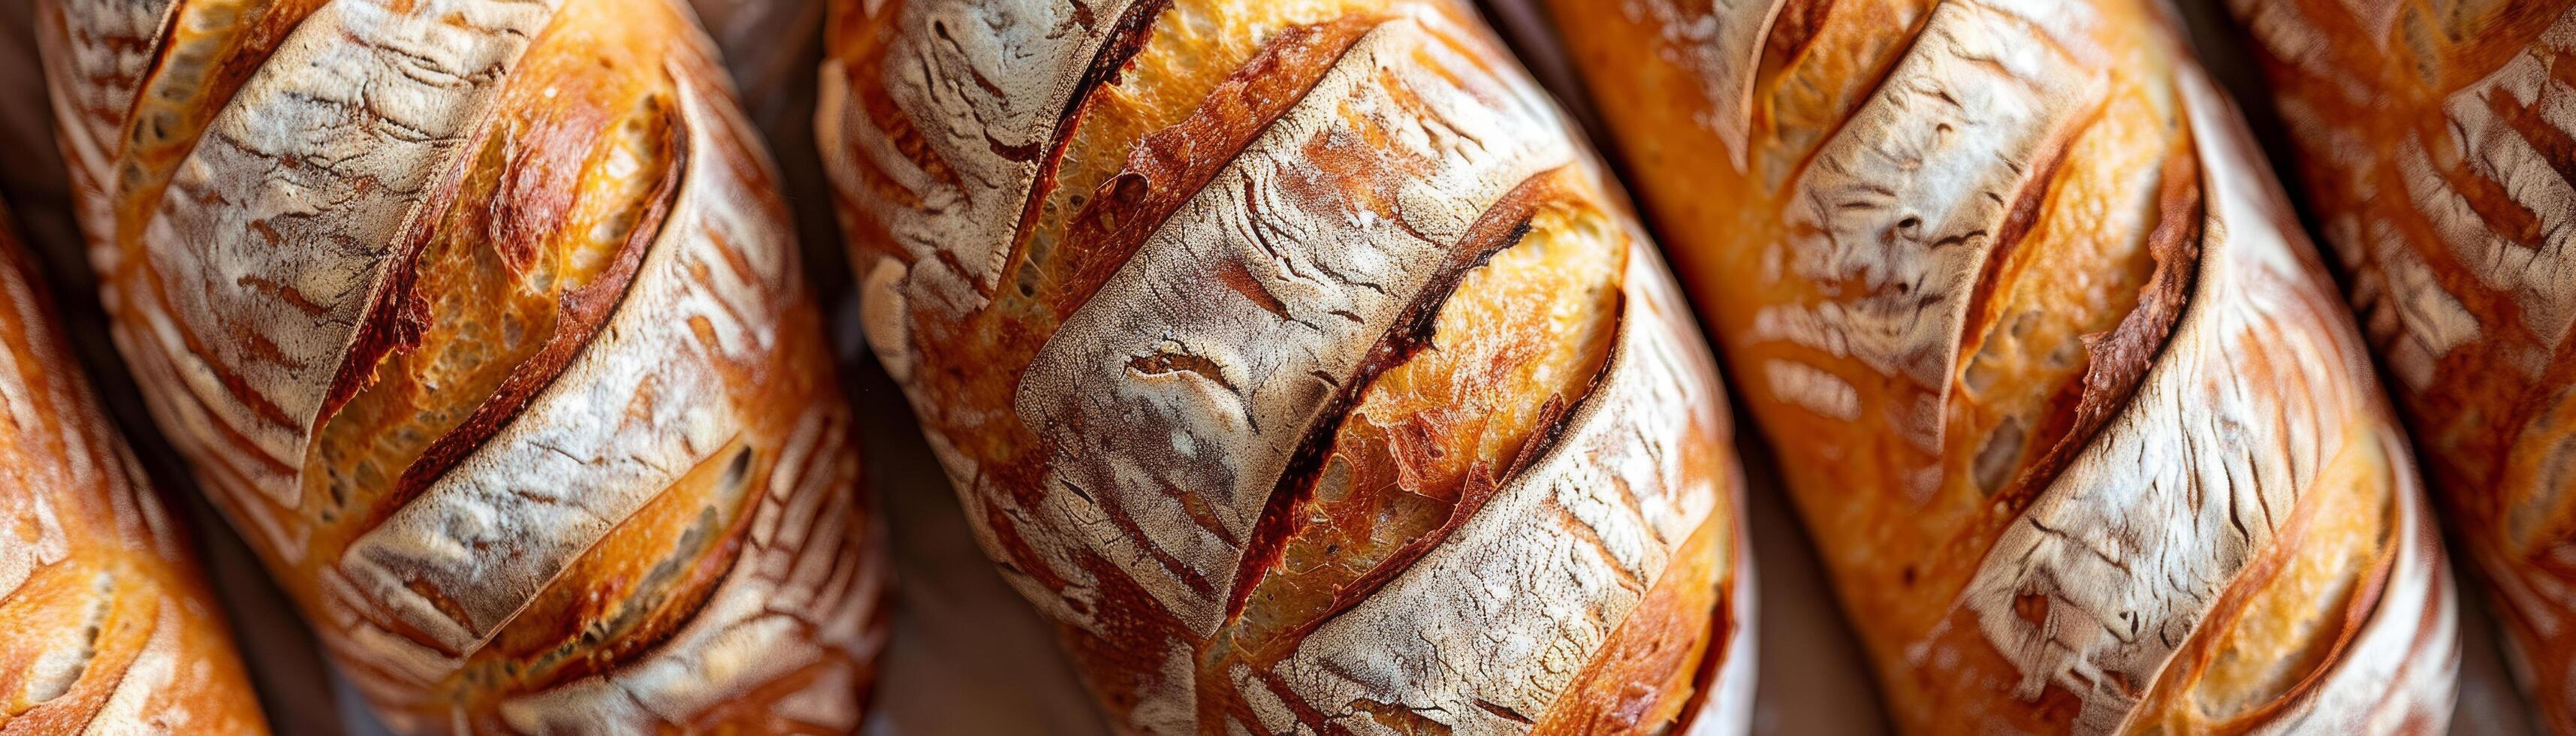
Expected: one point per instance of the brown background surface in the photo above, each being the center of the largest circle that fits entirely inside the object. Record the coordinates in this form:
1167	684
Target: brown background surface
967	656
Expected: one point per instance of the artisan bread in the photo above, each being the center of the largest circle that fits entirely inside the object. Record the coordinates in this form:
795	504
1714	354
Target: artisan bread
482	321
105	624
2435	154
2077	420
1297	362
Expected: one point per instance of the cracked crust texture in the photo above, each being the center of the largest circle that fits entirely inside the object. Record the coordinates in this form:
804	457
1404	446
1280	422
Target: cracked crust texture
2087	440
481	320
2438	146
105	624
1295	360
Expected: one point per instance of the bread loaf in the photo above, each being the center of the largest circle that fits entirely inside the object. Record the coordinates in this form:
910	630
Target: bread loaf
1296	361
105	624
2436	158
2087	440
481	319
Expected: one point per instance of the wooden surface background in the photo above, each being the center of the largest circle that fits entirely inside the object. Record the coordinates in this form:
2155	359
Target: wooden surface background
967	656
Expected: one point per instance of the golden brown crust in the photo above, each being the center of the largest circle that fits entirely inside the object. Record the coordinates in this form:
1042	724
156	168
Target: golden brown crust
2439	164
481	320
1294	360
105	625
2068	406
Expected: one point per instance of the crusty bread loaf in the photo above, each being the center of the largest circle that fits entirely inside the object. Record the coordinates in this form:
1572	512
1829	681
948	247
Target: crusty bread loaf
105	624
1294	359
481	320
2436	150
2072	409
